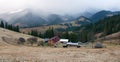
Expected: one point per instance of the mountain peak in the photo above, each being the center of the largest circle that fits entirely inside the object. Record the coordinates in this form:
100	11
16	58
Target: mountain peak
100	15
16	11
82	18
104	11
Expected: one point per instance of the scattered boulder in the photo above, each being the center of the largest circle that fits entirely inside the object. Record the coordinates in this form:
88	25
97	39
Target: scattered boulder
98	45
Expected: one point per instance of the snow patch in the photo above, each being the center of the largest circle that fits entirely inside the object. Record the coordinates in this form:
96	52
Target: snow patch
16	11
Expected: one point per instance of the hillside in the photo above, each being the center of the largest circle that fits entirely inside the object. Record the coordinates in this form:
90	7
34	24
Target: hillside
84	32
60	27
114	36
10	53
103	14
29	20
106	27
10	37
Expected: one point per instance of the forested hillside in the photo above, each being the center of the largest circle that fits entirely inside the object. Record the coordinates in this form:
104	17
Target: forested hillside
85	32
106	26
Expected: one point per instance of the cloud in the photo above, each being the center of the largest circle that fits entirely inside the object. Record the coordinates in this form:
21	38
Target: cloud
60	6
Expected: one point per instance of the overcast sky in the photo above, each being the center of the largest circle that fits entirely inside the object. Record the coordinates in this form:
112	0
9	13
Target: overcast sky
60	6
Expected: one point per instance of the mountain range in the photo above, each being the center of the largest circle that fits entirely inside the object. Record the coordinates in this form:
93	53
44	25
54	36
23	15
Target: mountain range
28	18
103	14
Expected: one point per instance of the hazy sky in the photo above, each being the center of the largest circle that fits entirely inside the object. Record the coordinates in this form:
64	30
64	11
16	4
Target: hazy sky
60	6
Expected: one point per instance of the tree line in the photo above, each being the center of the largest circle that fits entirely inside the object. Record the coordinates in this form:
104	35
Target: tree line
49	33
9	26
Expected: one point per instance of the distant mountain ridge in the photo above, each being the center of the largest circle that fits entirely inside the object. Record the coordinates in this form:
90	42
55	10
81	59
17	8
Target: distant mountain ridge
103	14
28	18
80	21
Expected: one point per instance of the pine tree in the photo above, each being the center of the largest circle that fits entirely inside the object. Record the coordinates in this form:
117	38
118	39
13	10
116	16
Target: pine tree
17	29
73	37
40	35
34	33
6	25
66	35
2	24
49	33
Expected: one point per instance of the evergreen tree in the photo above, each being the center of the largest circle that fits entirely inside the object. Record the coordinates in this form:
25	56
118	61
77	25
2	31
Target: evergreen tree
73	37
17	29
49	33
2	24
40	35
65	35
34	33
6	25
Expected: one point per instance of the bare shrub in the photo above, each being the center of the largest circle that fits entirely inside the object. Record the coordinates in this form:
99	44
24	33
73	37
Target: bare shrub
21	40
32	40
42	43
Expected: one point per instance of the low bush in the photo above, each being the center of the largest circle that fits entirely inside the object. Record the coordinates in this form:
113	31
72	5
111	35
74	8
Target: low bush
21	40
32	40
42	43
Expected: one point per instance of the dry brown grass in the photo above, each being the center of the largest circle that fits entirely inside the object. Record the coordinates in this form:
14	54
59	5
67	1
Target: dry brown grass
49	54
10	53
42	28
8	37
